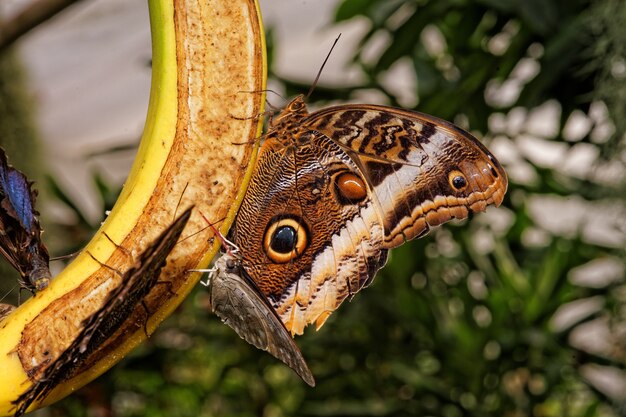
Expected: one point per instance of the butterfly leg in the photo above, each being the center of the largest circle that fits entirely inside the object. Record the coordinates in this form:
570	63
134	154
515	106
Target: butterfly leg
117	271
120	247
23	286
145	322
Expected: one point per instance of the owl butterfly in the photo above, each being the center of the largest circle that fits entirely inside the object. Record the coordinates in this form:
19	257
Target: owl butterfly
334	190
20	232
116	309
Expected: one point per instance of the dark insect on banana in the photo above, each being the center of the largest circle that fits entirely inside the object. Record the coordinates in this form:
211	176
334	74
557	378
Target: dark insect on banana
117	308
5	310
20	232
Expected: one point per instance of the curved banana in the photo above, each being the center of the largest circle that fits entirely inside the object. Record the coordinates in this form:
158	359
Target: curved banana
204	55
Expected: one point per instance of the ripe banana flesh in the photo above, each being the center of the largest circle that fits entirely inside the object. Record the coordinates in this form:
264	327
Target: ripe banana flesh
204	57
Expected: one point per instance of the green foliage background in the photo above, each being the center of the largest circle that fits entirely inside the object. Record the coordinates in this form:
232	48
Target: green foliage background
469	320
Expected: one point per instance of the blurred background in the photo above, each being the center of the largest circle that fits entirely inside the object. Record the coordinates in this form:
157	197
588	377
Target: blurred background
520	311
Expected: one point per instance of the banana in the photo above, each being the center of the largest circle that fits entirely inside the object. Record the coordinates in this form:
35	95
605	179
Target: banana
197	149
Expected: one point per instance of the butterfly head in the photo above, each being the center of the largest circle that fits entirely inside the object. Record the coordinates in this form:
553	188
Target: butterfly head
291	117
228	262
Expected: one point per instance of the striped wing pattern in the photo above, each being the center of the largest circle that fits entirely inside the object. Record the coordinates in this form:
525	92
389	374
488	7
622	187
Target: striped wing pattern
418	172
407	158
345	241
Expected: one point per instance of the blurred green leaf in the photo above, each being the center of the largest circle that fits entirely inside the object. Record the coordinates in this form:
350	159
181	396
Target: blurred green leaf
352	8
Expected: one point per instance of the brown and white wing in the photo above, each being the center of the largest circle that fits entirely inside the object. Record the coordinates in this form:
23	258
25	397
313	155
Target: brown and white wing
423	170
340	241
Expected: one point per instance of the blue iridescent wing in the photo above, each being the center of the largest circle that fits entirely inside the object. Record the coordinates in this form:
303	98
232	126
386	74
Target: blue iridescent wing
20	232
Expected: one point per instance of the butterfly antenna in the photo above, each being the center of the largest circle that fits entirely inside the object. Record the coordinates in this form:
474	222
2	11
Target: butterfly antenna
265	90
230	247
180	199
7	294
319	73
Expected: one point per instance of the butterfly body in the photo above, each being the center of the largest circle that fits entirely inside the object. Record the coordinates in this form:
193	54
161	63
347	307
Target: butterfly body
334	190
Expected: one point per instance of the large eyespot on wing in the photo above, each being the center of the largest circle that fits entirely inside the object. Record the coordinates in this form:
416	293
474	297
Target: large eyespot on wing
308	230
423	170
285	239
241	305
345	248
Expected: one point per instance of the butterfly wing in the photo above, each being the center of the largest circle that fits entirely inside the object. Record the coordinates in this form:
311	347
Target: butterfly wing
336	243
423	170
97	328
335	189
20	233
241	305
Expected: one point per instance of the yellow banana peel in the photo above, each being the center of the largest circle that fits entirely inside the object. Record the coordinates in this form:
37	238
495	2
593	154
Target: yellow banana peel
197	149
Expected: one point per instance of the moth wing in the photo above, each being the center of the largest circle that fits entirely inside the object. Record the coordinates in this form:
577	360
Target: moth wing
240	304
